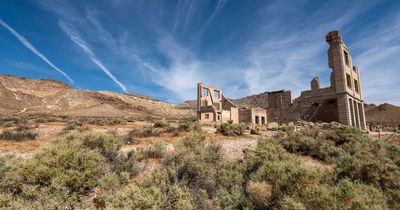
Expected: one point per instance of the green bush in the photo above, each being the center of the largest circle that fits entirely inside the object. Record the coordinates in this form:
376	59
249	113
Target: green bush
61	173
298	143
161	124
21	132
229	129
189	126
156	150
194	175
146	132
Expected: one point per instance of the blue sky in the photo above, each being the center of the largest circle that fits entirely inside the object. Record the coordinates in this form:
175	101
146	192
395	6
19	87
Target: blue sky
162	48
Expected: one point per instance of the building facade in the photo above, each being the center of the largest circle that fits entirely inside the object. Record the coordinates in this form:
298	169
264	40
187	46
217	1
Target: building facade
342	101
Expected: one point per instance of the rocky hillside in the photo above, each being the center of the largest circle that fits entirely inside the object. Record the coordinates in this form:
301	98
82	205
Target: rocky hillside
27	96
387	113
258	100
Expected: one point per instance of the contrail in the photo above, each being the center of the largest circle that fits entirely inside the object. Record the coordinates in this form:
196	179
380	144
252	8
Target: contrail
28	45
74	36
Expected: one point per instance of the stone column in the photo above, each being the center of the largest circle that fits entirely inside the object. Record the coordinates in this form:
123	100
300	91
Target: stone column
362	116
352	122
357	114
344	110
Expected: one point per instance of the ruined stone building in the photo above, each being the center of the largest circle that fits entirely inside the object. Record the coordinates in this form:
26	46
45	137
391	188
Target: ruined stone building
254	116
340	102
279	106
212	106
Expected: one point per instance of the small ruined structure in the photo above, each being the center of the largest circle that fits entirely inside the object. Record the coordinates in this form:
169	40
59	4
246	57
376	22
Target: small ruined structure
212	106
254	116
279	105
342	101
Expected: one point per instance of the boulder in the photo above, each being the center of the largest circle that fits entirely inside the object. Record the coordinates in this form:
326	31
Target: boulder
273	126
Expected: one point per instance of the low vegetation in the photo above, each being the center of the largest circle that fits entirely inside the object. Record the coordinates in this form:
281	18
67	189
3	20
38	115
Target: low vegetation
230	129
19	133
81	169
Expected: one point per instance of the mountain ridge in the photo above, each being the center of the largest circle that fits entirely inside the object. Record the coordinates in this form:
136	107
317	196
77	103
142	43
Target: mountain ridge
22	95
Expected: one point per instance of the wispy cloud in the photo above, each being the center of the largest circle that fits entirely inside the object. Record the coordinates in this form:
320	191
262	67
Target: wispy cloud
378	60
74	36
28	45
242	48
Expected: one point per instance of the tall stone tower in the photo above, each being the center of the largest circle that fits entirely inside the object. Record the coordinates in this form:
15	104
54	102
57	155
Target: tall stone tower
345	80
342	101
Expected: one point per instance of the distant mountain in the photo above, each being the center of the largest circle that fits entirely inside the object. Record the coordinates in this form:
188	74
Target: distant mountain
257	100
387	113
20	95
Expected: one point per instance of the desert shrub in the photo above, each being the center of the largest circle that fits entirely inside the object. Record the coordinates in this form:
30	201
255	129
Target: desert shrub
66	170
327	151
215	183
8	124
344	195
102	120
40	120
74	125
284	177
298	143
150	192
189	126
289	203
287	128
12	121
156	150
267	150
171	129
344	134
366	168
21	132
107	145
161	124
128	164
146	132
311	131
229	129
130	137
255	131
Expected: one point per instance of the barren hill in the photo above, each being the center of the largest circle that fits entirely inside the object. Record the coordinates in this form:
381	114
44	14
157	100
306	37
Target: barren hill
387	113
20	95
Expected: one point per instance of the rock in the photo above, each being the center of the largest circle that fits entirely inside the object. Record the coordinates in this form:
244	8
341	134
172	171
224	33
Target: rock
291	124
273	126
325	125
334	124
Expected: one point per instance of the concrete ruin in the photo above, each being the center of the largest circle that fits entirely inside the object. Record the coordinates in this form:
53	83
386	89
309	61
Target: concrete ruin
341	102
214	107
254	116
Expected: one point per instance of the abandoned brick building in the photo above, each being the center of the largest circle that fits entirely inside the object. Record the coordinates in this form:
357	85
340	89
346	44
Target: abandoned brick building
212	106
341	102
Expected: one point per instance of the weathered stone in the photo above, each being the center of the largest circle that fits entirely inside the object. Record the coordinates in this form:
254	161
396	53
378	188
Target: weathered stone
273	126
212	106
342	101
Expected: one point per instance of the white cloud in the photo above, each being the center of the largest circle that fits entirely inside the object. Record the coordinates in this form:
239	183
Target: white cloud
74	36
283	47
28	45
